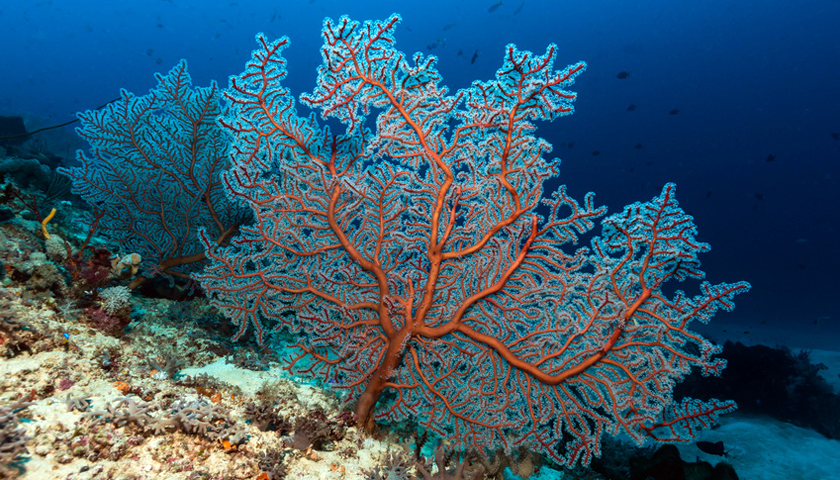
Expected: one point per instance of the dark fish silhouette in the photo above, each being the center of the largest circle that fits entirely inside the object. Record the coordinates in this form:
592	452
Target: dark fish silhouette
631	107
596	153
448	26
494	7
638	146
674	112
835	135
460	53
759	196
571	144
622	75
770	158
438	43
475	56
712	448
519	8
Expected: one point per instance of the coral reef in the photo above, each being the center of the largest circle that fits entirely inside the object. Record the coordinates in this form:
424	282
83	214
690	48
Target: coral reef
148	382
12	438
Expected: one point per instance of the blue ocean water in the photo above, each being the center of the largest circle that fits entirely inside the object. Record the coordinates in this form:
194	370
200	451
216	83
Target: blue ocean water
735	101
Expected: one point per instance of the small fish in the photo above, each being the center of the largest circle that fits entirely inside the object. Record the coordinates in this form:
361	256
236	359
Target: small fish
596	153
631	107
622	75
835	135
474	57
519	8
673	112
638	146
712	448
460	53
451	25
438	43
494	7
770	158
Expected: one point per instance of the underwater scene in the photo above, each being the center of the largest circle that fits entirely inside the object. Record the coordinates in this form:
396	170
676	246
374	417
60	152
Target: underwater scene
438	240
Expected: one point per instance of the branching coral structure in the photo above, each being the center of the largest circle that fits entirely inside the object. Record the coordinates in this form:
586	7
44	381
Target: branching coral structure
408	254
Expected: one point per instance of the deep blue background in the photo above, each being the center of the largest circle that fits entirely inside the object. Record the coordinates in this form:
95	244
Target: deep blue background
750	79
